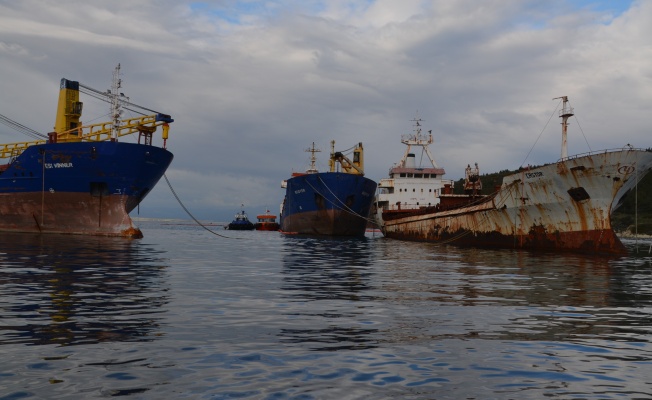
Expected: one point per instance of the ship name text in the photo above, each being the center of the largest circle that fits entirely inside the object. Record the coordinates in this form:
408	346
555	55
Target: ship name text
531	175
299	191
59	165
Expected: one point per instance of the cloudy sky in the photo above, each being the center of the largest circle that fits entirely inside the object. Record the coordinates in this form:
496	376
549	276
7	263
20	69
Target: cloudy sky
251	84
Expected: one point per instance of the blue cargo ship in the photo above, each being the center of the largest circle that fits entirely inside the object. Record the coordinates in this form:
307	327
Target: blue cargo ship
82	179
334	203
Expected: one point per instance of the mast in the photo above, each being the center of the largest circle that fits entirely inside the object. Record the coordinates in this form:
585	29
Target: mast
418	139
312	150
565	112
116	103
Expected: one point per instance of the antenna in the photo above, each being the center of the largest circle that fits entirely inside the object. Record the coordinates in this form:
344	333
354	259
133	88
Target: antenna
312	150
565	113
116	102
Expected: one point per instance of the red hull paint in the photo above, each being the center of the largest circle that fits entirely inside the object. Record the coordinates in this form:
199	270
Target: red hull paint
325	222
67	213
588	242
267	226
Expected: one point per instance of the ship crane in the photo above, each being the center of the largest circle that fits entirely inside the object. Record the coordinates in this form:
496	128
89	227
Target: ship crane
69	128
355	167
472	182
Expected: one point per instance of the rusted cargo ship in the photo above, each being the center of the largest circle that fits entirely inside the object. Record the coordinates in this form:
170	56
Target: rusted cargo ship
562	206
82	179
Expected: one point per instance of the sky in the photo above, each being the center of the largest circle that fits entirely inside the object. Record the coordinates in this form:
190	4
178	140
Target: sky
252	84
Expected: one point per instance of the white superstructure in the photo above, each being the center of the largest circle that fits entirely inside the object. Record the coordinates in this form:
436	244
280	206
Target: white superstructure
412	185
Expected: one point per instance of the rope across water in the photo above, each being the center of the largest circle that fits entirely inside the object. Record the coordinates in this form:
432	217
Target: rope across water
192	216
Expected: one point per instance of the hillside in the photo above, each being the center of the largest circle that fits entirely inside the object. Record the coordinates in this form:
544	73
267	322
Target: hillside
623	219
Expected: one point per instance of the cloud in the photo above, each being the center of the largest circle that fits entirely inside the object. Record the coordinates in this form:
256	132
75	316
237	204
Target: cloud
252	84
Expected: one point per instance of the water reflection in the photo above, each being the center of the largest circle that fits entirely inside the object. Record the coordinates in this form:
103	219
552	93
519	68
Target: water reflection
329	274
451	292
69	290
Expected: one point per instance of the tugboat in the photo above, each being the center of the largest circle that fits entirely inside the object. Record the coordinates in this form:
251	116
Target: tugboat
334	203
240	222
267	222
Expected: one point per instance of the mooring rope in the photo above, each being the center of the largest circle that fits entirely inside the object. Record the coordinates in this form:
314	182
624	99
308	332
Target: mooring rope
345	208
192	216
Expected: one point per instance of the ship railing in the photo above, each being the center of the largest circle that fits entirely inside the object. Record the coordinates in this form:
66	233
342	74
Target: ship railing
103	131
93	133
386	182
406	207
592	153
12	150
416	139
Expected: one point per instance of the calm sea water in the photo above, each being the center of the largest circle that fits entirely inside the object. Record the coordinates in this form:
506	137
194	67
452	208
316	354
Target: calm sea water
186	314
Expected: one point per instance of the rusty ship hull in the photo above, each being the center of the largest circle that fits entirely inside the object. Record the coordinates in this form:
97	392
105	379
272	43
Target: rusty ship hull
327	204
80	179
79	187
564	206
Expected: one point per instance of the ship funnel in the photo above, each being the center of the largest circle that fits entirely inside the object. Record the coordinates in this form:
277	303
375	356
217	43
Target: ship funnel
409	161
69	108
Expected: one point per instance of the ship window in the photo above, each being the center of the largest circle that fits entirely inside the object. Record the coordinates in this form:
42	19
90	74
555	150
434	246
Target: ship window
430	190
402	174
434	175
418	175
421	190
409	175
414	190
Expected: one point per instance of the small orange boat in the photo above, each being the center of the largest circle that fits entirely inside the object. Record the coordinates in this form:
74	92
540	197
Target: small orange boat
267	222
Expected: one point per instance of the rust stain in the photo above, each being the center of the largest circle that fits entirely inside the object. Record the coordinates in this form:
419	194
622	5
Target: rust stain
133	233
68	213
535	210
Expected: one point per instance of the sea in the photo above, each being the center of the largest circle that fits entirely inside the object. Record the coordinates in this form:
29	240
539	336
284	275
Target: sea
199	312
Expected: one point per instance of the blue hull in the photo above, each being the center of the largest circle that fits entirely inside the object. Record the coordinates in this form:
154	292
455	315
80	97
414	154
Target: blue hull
327	203
79	187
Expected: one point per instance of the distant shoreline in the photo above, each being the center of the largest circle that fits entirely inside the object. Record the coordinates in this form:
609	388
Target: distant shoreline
630	235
